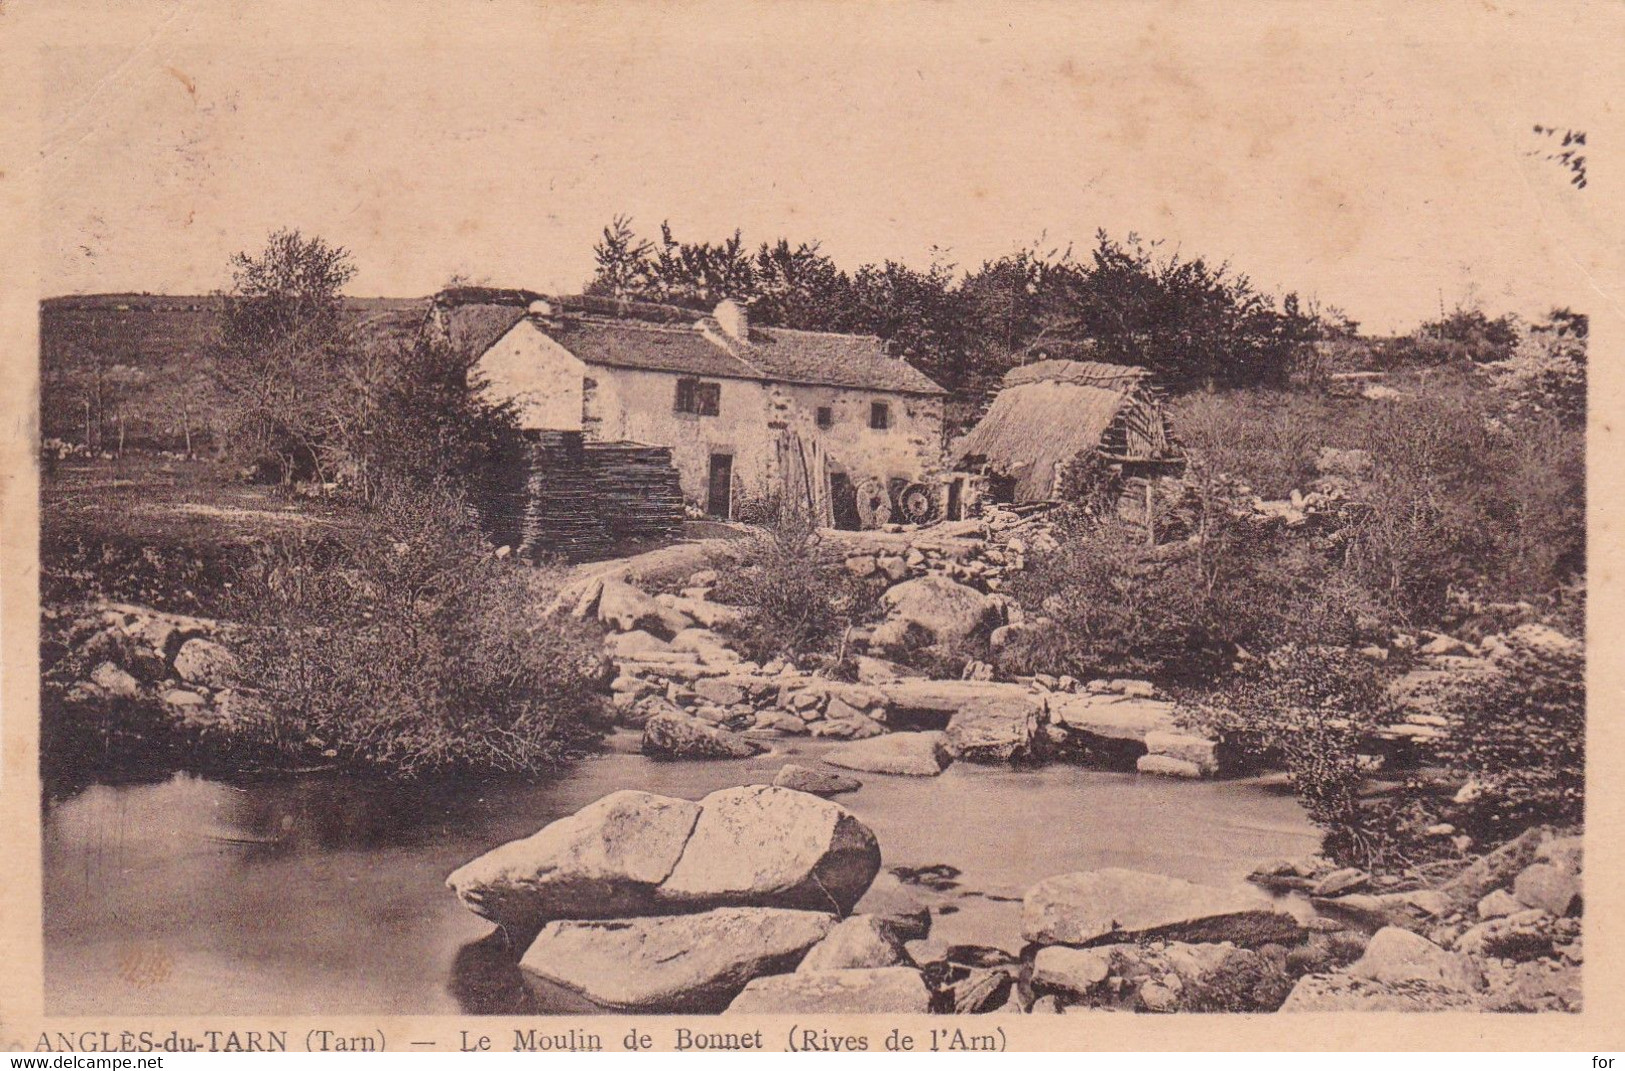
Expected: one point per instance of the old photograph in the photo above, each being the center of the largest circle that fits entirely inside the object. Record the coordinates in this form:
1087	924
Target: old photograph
820	509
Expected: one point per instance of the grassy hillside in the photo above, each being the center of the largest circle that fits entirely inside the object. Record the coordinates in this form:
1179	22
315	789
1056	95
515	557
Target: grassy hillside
141	364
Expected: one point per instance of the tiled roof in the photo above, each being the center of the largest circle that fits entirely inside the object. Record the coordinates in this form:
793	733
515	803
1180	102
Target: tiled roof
818	357
634	344
628	334
475	327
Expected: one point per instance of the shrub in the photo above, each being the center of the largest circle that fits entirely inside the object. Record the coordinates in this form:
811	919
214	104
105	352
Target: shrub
1462	499
403	644
1116	611
1519	735
1312	708
798	600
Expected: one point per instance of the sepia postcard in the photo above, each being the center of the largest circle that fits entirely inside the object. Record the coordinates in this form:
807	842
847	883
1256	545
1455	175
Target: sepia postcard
827	526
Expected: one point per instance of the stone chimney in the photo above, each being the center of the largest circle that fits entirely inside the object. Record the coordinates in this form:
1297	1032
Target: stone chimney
733	318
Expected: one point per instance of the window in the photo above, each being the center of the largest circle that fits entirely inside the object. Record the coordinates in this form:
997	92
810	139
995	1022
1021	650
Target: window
879	416
826	417
701	399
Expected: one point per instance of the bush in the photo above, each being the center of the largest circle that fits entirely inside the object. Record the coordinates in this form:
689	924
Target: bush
1311	709
1463	500
798	600
404	645
1519	735
1116	611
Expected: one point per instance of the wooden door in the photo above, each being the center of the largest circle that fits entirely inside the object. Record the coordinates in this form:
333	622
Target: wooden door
719	493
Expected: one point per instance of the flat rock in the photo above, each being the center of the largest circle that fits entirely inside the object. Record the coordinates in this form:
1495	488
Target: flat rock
938	701
873	670
1197	750
885	990
818	782
1168	766
675	963
861	941
1078	971
1411	910
625	608
1111	905
1341	881
707	613
601	862
1343	992
720	691
670	735
994	730
769	846
1112	717
897	908
907	754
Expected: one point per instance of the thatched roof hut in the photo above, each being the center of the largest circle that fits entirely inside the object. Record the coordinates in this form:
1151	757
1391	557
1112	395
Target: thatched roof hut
1049	412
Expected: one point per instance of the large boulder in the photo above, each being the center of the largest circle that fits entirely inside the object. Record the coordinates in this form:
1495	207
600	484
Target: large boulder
885	990
949	612
206	662
1523	935
1497	869
1399	957
862	941
995	729
604	861
674	735
908	754
678	963
115	681
1107	906
769	846
1550	887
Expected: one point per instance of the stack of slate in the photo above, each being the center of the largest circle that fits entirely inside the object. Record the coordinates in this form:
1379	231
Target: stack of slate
638	493
561	507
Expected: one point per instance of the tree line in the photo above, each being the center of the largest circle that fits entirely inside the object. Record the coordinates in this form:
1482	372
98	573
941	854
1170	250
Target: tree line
1130	301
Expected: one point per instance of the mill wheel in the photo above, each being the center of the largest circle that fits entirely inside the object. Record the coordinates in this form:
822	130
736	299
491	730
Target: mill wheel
874	503
918	504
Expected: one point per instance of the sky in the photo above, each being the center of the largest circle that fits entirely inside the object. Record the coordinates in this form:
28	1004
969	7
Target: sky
1378	158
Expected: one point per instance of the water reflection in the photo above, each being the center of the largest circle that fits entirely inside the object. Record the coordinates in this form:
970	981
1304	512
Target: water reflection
324	894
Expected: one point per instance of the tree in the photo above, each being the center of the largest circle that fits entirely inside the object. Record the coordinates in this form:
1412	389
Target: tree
624	261
282	341
800	287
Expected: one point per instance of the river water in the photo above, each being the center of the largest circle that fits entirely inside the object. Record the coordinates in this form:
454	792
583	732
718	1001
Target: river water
192	896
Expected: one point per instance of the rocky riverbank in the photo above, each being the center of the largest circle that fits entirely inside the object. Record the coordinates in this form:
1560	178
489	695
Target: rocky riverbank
767	899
